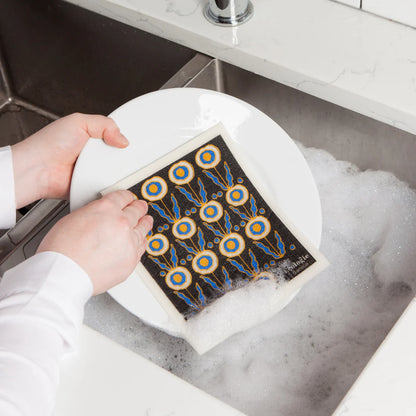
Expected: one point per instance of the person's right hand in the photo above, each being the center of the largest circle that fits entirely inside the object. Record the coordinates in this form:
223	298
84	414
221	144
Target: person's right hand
106	238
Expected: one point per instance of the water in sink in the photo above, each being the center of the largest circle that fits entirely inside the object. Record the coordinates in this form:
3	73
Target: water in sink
303	361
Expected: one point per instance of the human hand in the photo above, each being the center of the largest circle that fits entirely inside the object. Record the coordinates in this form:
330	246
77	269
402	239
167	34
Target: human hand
106	238
43	163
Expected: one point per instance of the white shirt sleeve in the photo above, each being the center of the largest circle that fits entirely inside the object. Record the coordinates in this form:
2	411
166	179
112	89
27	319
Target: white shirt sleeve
41	308
7	195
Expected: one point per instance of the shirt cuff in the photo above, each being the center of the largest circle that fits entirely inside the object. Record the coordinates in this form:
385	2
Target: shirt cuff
50	287
7	194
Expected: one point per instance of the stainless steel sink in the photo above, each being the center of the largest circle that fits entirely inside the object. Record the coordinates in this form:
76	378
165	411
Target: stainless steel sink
313	122
94	64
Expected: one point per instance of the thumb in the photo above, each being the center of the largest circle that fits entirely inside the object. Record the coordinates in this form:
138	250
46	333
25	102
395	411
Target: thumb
104	127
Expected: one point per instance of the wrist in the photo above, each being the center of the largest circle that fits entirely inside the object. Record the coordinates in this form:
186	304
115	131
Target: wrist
30	178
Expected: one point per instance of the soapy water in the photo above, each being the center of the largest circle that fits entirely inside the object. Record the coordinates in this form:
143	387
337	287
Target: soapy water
304	359
238	310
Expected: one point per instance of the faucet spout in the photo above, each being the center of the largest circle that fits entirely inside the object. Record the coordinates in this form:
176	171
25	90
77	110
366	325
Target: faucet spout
228	12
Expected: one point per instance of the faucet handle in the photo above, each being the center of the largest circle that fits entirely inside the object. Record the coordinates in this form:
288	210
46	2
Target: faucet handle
228	12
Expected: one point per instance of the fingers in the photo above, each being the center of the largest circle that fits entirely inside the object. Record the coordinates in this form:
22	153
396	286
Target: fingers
120	198
104	127
135	211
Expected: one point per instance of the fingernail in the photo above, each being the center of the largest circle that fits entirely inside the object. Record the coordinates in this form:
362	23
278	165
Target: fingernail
145	206
124	141
135	196
149	220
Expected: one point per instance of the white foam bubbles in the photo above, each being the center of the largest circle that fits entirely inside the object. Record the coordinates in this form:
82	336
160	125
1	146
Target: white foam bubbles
304	359
237	311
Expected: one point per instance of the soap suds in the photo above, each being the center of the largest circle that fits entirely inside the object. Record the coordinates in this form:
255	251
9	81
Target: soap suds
304	359
238	310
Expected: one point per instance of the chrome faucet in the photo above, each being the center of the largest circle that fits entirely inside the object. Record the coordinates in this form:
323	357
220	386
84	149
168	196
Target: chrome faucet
228	12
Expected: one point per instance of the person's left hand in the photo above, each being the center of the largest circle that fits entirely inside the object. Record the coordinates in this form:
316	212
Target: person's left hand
43	163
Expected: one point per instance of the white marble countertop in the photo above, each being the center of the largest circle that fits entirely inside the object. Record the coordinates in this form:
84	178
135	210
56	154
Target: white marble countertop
127	384
346	56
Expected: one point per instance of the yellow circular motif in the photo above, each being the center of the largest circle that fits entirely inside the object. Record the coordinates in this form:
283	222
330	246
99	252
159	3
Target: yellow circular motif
205	262
208	156
181	172
157	245
178	278
237	195
211	211
257	228
154	188
232	245
184	228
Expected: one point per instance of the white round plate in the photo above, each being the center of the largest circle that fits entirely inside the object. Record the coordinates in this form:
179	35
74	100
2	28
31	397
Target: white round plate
157	123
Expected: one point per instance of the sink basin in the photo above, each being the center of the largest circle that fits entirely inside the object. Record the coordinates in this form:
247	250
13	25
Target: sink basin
312	122
58	59
347	135
368	144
